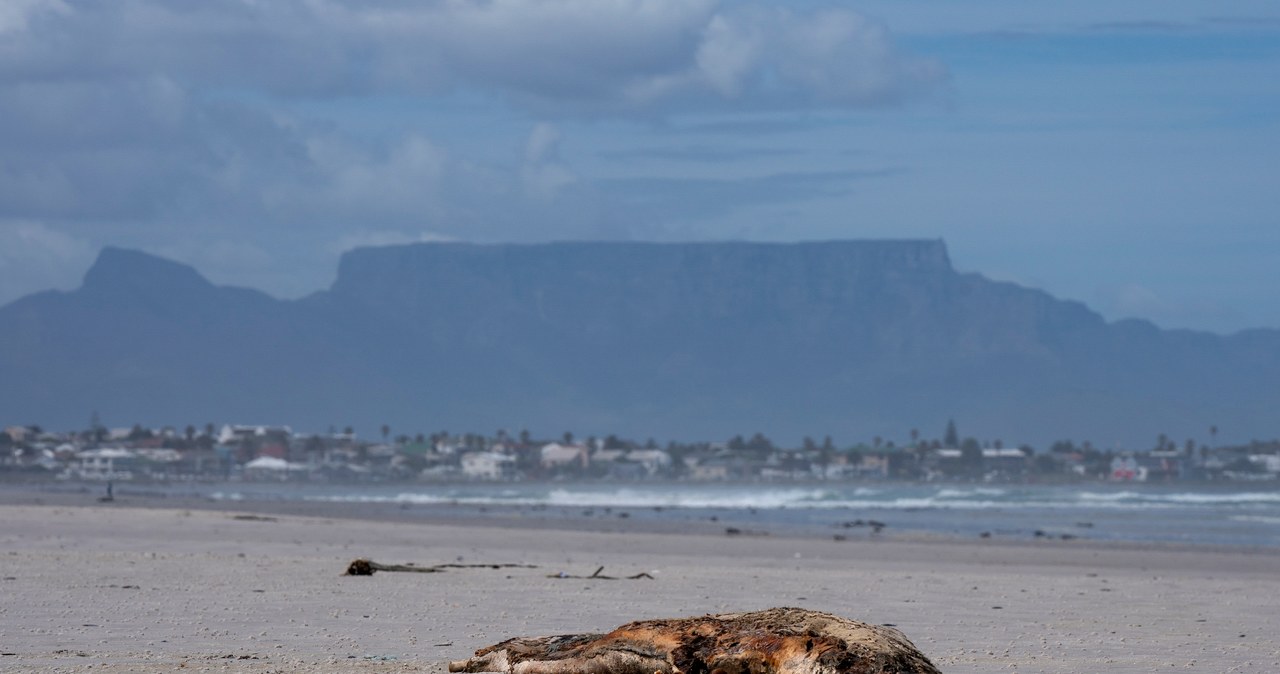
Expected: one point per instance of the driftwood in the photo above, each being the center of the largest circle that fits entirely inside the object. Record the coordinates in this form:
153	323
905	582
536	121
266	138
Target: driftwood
776	641
367	567
598	575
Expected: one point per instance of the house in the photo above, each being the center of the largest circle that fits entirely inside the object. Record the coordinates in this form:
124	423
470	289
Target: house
712	468
837	467
556	455
1004	460
107	463
160	462
18	433
608	455
1126	468
1164	465
785	465
488	466
275	450
272	469
237	434
996	462
621	470
1270	463
653	460
872	465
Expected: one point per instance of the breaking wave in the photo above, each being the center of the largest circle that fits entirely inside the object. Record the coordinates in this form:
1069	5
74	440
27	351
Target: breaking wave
1182	514
767	497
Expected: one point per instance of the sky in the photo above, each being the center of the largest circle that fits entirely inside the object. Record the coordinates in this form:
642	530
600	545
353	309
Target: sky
1122	153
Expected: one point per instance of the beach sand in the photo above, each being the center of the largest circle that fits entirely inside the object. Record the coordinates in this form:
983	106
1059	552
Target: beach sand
117	588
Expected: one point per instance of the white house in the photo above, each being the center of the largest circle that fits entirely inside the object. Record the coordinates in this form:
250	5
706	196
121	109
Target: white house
272	468
1269	462
653	460
488	465
608	455
107	463
234	434
557	455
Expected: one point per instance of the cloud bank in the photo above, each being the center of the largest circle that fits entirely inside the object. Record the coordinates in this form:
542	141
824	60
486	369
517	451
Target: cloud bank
597	56
199	129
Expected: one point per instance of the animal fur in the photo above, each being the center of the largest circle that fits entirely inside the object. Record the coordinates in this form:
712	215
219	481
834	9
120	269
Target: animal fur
775	641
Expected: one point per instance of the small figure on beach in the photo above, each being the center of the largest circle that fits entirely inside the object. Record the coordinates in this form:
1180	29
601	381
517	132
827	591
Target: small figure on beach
774	641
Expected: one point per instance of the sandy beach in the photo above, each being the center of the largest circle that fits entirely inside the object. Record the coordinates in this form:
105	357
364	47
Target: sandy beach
115	587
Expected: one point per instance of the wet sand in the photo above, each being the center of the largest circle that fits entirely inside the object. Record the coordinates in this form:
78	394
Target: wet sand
115	587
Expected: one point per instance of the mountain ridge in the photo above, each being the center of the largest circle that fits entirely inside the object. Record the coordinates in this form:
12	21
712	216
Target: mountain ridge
700	340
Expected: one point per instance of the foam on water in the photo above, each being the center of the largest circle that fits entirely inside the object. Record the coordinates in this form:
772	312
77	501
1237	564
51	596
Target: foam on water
1262	519
1241	498
1159	497
819	498
966	493
1142	513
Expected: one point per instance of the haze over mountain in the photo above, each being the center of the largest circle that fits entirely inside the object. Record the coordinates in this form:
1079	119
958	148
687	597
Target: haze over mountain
691	341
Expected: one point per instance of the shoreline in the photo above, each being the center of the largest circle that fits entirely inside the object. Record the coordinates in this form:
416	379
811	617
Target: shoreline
146	587
543	518
619	519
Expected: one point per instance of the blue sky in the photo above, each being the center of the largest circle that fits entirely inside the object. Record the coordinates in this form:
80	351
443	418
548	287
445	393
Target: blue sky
1120	153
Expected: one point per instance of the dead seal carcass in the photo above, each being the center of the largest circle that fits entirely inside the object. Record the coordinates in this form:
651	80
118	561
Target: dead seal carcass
774	641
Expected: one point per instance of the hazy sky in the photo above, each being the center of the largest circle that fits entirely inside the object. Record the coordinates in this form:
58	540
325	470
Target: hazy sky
1125	153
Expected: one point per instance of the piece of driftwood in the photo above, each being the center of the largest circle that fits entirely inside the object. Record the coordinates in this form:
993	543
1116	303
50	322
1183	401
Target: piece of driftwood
775	641
367	567
599	575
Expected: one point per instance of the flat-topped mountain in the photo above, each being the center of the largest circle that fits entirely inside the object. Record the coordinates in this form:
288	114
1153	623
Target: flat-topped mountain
695	340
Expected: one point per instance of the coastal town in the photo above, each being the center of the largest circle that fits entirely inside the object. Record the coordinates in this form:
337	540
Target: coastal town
267	453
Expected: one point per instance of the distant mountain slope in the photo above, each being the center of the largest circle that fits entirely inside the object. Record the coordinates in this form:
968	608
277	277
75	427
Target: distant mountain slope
699	340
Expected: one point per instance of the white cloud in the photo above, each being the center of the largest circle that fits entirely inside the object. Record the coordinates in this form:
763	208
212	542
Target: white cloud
543	174
1169	307
383	237
408	181
16	15
1133	299
157	111
833	57
728	53
569	55
408	176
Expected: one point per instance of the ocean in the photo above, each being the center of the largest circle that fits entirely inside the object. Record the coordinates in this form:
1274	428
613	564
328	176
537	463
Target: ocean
1182	514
